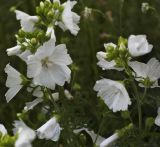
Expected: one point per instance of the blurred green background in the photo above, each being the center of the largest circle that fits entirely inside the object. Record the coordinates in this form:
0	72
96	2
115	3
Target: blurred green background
117	18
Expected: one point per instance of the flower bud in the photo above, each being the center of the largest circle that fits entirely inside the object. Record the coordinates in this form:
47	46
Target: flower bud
50	14
56	5
61	8
145	7
42	5
125	114
149	122
21	33
33	41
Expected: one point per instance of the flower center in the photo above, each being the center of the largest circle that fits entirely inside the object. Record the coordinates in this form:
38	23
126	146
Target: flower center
46	62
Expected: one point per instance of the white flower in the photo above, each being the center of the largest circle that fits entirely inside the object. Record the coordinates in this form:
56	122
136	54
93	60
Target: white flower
25	134
94	137
31	105
150	70
68	94
51	32
109	140
14	50
27	21
104	64
138	45
69	19
50	130
3	130
49	65
113	93
13	82
157	120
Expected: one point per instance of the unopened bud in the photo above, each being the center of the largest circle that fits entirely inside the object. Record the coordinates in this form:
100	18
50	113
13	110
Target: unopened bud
34	41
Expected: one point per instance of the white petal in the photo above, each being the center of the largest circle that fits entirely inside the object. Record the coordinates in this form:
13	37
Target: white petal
50	130
3	130
110	44
46	49
24	55
51	32
60	55
27	21
60	74
23	131
31	105
14	50
55	96
109	140
68	94
114	94
157	119
12	92
21	15
38	92
62	26
25	134
22	143
106	65
45	78
69	18
139	68
154	69
138	45
33	66
13	76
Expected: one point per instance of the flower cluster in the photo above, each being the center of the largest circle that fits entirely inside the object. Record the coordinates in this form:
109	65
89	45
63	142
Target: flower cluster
47	64
121	58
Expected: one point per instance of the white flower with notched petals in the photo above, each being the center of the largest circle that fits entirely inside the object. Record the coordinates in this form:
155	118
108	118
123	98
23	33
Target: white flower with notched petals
69	19
27	21
157	120
50	130
113	93
13	82
138	45
109	140
14	50
3	130
49	65
25	134
150	70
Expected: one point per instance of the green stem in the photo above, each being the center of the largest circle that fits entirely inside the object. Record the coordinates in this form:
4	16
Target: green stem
138	104
144	94
100	128
137	97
